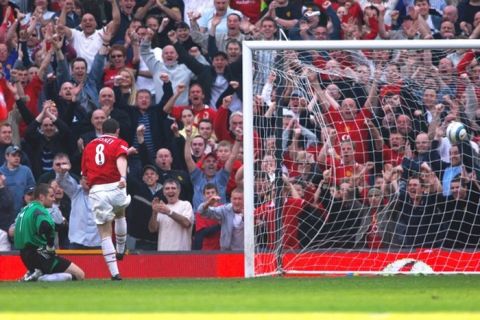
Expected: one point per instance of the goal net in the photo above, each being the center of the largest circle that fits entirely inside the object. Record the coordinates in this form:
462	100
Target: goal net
357	172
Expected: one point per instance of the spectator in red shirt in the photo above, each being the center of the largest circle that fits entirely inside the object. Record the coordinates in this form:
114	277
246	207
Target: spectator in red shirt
250	8
368	31
349	122
207	230
370	224
33	89
265	217
395	151
118	61
224	130
196	98
308	173
344	167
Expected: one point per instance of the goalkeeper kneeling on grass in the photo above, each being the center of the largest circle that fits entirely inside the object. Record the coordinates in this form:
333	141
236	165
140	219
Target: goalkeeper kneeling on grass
35	235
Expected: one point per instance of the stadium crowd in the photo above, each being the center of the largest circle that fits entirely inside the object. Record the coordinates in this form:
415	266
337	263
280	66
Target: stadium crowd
375	170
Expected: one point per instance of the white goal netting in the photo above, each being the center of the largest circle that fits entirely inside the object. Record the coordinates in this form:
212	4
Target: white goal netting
355	172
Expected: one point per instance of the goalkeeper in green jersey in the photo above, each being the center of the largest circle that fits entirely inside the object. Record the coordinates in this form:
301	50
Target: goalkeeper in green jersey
35	235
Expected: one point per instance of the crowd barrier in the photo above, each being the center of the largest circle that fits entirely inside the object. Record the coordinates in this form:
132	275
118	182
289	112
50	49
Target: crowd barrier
231	265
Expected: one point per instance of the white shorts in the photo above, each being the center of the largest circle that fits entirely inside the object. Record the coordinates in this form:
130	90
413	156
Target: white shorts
107	200
4	243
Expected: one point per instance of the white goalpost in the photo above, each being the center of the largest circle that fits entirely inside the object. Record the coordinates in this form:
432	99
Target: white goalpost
310	188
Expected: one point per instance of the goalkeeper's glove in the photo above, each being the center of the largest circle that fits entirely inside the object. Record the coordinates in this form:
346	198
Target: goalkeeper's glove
47	252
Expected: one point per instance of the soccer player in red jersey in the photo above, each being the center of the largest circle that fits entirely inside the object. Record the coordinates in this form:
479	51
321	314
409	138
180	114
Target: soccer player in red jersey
104	164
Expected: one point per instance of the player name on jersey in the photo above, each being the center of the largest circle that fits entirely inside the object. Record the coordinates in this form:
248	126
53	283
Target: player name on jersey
99	159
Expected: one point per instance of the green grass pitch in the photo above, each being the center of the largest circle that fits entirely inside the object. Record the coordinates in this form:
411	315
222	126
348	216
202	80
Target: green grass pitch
340	294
